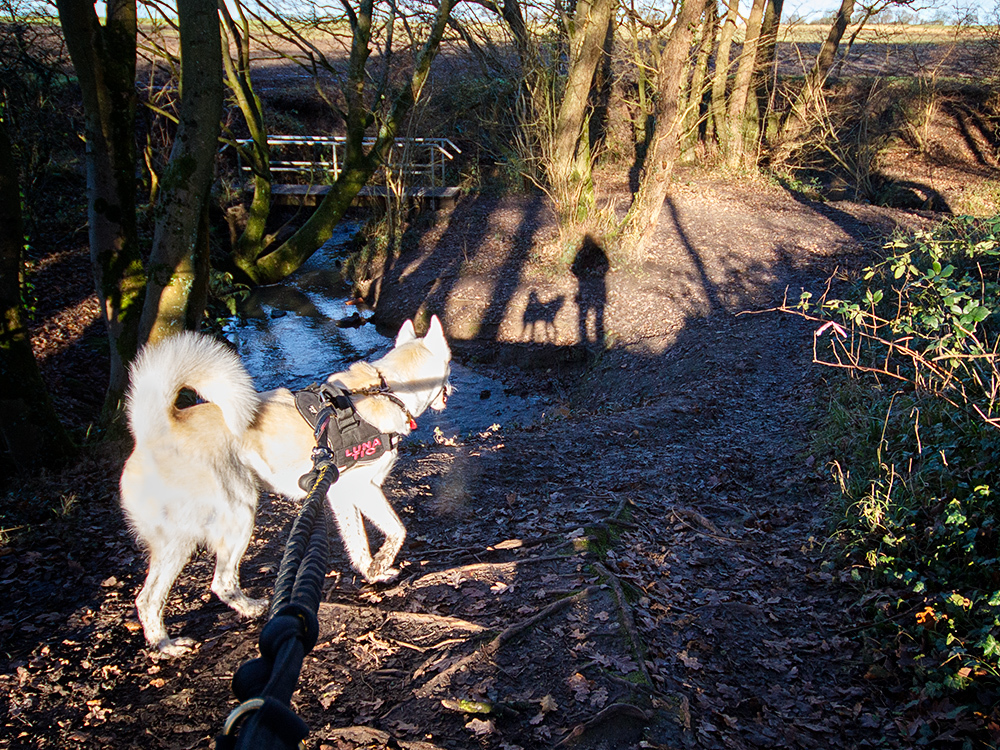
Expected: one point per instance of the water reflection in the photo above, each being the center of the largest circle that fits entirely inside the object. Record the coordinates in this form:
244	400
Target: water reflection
295	333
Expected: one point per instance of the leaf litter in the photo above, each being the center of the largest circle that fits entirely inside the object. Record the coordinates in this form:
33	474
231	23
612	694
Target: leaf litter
645	564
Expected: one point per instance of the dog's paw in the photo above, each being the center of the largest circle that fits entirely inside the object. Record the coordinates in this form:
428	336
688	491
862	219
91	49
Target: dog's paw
174	647
253	608
381	575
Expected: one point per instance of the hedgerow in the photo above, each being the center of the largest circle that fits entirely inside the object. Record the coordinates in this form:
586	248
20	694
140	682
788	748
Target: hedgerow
914	438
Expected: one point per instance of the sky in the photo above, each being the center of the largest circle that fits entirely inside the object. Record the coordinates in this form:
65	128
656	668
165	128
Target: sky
924	8
811	9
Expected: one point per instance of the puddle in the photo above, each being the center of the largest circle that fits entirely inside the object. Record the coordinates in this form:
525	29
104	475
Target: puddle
297	332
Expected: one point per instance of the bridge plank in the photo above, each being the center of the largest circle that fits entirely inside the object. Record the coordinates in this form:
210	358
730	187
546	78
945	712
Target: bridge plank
310	195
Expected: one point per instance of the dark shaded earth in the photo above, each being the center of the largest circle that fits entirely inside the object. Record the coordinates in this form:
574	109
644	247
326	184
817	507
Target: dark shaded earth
648	565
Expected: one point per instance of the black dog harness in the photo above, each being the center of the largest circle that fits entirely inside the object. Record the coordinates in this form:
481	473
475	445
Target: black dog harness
338	426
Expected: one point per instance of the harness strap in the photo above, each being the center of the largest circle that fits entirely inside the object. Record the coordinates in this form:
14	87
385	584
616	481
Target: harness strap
382	389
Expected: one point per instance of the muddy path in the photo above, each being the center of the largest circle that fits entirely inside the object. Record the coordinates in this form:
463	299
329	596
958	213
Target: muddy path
646	565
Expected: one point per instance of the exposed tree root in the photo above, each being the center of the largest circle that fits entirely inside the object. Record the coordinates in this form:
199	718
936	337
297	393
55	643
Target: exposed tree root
490	649
627	620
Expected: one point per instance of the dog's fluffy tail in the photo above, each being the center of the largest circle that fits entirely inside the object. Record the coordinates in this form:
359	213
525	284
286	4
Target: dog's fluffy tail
188	360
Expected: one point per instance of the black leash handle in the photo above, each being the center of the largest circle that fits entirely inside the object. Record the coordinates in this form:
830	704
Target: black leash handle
264	719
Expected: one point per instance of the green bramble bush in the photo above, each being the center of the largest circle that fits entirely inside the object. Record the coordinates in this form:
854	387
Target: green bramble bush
914	439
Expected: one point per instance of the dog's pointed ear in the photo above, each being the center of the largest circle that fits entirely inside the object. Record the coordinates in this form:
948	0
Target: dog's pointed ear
406	333
435	335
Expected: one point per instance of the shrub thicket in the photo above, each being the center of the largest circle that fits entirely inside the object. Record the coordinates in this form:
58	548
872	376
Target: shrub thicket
915	439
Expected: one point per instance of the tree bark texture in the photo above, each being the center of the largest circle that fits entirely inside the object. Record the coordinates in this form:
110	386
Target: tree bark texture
764	84
742	118
257	154
587	32
697	90
359	166
720	78
104	60
178	262
641	219
30	431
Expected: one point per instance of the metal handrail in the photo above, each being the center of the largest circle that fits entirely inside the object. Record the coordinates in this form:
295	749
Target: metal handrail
437	150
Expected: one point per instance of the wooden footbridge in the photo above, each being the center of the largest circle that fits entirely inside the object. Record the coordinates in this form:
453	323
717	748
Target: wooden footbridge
304	168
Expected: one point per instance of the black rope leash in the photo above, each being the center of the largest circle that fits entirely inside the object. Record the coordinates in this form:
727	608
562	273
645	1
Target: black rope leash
264	686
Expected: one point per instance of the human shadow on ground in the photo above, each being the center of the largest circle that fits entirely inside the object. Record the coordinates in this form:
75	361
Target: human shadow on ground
590	267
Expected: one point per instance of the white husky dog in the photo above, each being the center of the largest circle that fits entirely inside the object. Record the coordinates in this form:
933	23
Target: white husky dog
195	474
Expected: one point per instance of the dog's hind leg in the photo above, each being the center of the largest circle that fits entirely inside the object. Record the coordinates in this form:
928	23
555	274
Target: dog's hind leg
381	514
165	564
229	547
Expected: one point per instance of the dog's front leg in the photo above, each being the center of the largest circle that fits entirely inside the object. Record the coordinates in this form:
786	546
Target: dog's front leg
352	532
381	514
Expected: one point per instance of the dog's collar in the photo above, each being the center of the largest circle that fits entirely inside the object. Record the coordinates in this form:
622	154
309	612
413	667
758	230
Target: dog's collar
382	389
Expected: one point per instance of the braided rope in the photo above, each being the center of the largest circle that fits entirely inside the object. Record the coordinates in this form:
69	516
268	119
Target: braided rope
265	685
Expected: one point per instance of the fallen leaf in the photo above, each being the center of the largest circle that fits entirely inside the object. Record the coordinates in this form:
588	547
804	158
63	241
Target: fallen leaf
548	703
480	728
691	662
599	697
508	544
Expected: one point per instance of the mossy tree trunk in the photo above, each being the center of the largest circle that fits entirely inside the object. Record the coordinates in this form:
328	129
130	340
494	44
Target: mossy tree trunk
236	35
569	167
30	431
359	165
696	92
178	263
716	130
742	120
104	58
664	147
765	76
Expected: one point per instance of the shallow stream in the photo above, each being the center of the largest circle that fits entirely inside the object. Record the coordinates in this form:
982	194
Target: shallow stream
297	332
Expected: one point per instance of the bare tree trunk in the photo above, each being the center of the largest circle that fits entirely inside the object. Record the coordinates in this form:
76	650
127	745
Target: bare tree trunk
812	89
359	166
30	431
741	124
720	79
765	73
569	175
252	240
104	61
178	262
640	222
696	93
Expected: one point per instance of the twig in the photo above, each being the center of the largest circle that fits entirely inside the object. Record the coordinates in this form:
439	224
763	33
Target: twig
607	675
621	506
491	648
431	578
873	623
615	709
677	515
441	621
627	619
368	735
